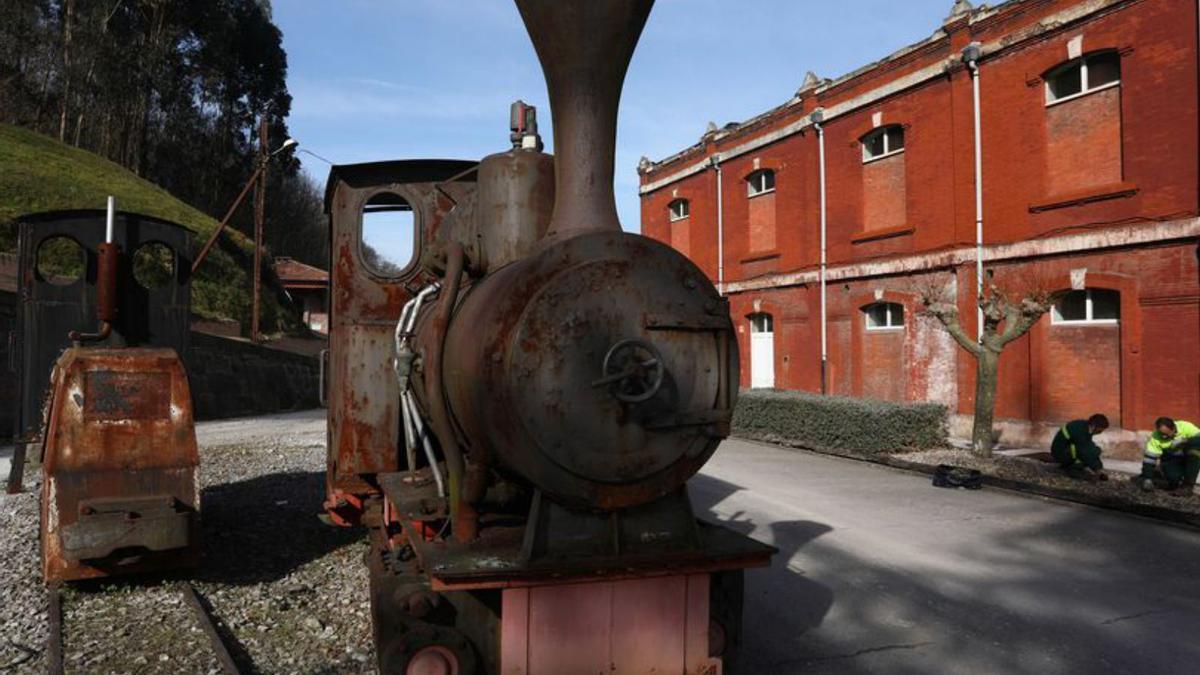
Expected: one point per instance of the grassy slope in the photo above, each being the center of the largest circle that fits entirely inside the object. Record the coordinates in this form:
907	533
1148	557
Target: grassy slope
37	173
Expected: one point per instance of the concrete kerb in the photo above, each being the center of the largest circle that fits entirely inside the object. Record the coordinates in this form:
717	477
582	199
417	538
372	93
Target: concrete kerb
1188	520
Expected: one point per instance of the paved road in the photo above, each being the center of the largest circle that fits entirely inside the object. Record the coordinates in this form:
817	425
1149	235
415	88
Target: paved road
879	572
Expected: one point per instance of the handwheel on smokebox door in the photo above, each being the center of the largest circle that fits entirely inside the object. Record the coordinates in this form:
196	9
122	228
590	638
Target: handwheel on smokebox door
633	368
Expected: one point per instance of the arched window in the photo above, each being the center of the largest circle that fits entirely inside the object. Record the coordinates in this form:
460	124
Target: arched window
389	235
680	209
884	316
1083	75
1088	306
760	182
883	142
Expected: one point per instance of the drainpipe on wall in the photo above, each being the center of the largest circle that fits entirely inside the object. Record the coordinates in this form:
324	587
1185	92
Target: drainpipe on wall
970	56
716	164
817	117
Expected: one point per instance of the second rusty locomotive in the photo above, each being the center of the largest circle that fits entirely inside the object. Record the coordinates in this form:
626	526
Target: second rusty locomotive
515	413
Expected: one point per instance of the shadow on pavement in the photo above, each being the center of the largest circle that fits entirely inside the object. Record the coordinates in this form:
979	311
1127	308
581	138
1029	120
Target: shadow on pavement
782	585
1017	586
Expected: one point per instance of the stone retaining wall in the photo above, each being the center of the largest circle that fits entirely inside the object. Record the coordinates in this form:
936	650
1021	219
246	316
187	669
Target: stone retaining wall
229	377
233	378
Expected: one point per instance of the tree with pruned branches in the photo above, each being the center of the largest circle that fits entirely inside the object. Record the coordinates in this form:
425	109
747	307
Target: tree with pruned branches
1007	315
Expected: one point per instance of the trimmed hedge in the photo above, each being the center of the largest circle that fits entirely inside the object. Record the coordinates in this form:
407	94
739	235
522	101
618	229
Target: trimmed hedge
865	425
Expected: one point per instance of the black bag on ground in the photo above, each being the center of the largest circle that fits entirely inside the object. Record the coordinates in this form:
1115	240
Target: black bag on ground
948	476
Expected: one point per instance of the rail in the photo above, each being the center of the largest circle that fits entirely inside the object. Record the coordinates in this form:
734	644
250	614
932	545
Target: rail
199	607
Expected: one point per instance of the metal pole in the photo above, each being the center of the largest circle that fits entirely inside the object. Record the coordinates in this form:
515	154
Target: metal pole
212	239
974	67
716	162
260	199
824	314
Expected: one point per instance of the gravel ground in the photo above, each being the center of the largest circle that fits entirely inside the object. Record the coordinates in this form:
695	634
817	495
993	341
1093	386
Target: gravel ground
290	591
1027	469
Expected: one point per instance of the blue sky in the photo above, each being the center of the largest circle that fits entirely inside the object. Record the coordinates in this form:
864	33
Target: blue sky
376	80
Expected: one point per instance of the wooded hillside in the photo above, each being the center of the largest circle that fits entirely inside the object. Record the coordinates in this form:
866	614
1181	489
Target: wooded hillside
171	90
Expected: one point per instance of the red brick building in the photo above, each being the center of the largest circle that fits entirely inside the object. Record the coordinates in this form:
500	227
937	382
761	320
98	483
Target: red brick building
1089	166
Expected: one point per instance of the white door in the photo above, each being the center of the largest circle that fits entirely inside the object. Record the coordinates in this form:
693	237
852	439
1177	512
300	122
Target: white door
762	351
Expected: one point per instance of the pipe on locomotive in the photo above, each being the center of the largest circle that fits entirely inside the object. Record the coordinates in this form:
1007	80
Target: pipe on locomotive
415	432
585	49
107	257
463	518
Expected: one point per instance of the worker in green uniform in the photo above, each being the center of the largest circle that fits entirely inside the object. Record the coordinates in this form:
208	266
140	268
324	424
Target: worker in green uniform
1076	452
1174	448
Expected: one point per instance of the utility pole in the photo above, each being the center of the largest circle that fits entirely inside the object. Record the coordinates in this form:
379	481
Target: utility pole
260	205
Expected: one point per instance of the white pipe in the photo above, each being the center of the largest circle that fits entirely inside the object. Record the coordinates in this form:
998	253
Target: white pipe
408	315
399	334
109	218
414	428
974	68
425	292
824	312
410	433
716	162
406	398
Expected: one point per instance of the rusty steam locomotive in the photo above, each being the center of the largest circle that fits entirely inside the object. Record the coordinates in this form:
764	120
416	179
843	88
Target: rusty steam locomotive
515	414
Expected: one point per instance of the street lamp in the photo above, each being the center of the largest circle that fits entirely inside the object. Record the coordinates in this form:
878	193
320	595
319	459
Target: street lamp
287	145
259	177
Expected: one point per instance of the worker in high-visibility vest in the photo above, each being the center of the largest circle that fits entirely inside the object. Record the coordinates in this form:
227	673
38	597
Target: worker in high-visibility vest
1076	452
1174	448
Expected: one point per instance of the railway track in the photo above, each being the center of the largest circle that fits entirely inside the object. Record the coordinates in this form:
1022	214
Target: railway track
195	602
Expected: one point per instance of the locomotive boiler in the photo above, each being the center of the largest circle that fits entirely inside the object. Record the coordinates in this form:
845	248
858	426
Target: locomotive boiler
515	413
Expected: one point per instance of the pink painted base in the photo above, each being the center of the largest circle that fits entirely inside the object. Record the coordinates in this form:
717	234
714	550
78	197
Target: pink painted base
631	627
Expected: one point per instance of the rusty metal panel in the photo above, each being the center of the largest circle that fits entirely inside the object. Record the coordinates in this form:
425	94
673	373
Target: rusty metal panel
111	524
363	397
112	396
120	464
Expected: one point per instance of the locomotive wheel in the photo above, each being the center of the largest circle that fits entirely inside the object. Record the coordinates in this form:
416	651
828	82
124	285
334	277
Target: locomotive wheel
424	649
405	618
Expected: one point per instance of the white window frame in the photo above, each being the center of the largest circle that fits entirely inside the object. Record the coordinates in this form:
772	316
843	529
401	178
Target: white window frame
750	187
1056	318
769	322
887	151
1084	90
889	325
687	209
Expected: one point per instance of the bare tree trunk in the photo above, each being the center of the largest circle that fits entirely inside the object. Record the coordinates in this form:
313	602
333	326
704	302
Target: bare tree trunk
68	19
78	127
987	368
1004	319
43	99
